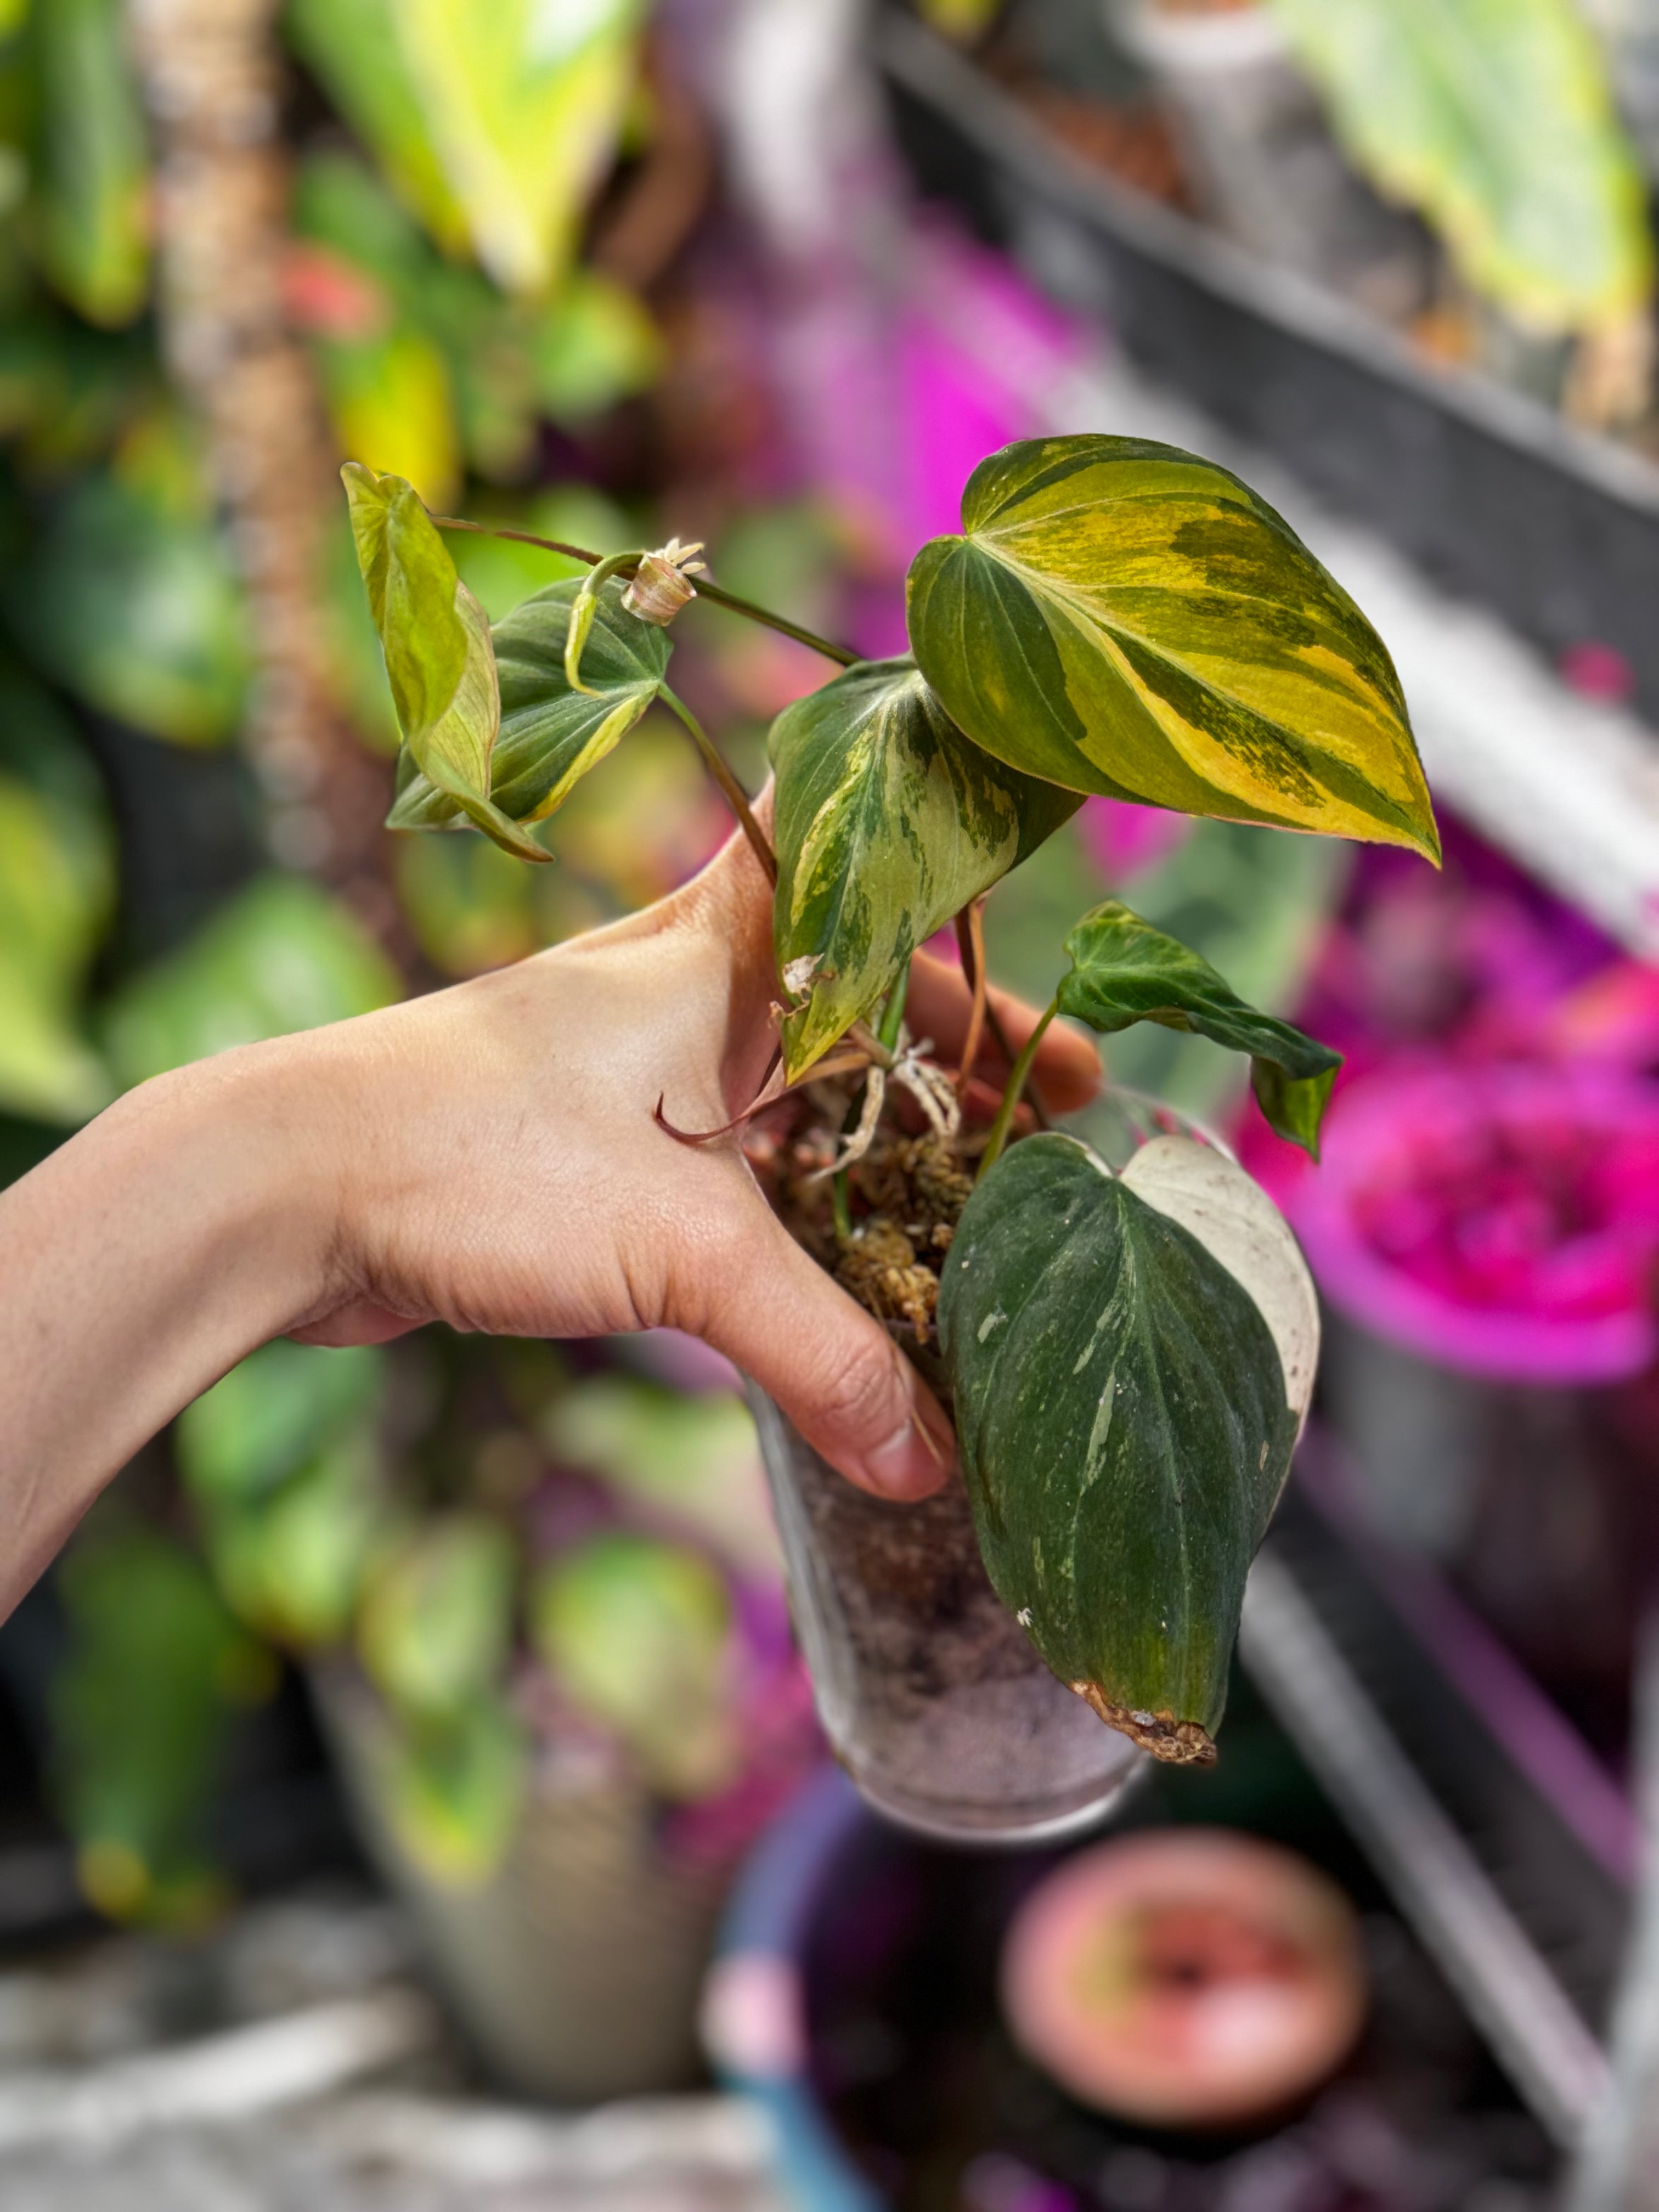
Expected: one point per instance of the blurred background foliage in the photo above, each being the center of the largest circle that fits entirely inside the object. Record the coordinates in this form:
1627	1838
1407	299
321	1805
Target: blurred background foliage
486	237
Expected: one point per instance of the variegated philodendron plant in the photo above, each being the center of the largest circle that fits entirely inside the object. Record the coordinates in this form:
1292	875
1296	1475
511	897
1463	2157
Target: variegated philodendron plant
1130	1355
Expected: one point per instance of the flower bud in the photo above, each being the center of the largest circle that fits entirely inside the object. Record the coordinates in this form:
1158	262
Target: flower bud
662	585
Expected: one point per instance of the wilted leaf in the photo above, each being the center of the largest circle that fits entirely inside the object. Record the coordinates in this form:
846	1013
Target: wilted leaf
1123	970
439	659
437	1620
638	1634
1494	119
888	821
282	956
551	736
1125	1430
95	163
1122	618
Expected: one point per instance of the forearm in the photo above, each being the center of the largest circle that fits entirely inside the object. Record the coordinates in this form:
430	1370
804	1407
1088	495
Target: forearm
143	1259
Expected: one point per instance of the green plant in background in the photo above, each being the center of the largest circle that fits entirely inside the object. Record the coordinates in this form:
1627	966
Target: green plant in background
1493	119
433	271
156	1671
1130	1356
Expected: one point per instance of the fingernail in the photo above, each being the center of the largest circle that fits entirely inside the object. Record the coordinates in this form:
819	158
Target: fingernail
909	1465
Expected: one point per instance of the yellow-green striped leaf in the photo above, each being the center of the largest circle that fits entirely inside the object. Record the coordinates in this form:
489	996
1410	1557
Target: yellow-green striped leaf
551	736
888	821
1124	971
1123	617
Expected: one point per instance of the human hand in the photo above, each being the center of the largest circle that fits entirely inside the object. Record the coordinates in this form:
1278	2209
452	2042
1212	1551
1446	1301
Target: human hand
485	1155
501	1169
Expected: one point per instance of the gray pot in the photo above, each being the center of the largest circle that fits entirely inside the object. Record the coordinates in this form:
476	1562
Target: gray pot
575	1966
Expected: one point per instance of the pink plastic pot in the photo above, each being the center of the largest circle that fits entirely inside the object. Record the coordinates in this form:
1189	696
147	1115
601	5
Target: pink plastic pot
1499	1220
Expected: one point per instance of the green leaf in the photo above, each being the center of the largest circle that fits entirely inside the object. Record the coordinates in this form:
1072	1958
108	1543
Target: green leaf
439	659
56	889
524	103
95	183
292	1563
437	1620
282	955
452	1791
595	344
1123	971
135	608
1493	119
638	1633
888	821
1124	1424
692	1460
551	736
275	1411
140	1709
1123	617
353	47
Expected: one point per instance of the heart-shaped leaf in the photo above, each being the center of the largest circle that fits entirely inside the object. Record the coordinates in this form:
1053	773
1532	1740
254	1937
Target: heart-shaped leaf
1123	971
439	659
1125	1430
550	736
888	821
1122	618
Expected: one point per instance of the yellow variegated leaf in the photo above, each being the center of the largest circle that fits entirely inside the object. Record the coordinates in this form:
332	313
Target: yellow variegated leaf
888	821
1121	616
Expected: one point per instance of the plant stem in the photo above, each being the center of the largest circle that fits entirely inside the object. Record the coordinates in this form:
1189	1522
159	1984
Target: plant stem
841	1205
971	938
892	1014
705	590
1016	1080
736	797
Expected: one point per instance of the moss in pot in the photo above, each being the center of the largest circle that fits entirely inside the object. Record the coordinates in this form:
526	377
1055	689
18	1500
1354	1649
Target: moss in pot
1128	1353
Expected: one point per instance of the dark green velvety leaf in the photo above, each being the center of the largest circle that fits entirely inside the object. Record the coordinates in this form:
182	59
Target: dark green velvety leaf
549	735
1123	617
888	821
1124	1427
1123	971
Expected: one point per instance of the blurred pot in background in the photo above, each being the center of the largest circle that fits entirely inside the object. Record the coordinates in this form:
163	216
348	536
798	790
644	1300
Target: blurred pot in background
1488	1237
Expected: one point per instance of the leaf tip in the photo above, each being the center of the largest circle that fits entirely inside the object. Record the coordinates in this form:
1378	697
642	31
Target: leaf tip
1175	1743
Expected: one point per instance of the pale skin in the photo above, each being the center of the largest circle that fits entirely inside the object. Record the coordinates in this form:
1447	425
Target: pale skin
484	1156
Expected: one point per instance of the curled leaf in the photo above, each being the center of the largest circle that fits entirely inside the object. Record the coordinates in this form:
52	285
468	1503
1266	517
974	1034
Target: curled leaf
551	735
1123	971
1122	618
439	657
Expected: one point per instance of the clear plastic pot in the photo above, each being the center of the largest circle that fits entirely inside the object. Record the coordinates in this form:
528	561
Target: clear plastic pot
931	1695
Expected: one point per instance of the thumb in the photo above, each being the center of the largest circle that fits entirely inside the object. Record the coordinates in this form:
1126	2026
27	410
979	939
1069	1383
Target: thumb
830	1365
